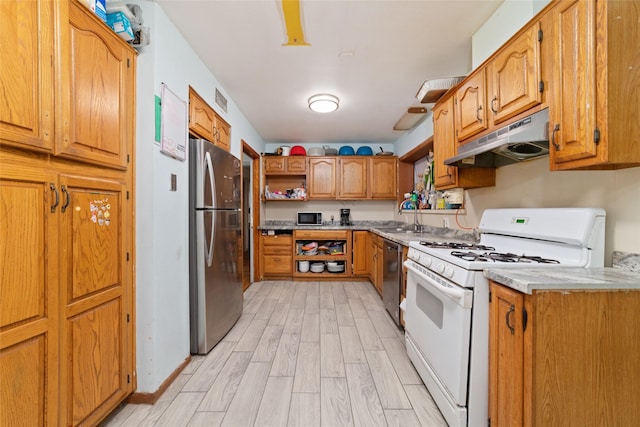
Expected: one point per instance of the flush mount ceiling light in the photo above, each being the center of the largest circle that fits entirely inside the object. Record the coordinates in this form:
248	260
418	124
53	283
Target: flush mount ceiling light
323	103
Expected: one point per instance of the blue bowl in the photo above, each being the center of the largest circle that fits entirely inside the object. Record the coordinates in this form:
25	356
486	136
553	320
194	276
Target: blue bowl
364	151
346	150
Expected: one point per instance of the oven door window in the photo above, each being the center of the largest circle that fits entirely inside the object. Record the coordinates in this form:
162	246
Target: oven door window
438	320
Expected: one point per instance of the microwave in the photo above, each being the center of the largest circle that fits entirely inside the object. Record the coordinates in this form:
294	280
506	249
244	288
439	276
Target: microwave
309	218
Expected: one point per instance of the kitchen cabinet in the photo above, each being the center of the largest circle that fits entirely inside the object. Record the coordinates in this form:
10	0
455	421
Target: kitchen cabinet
337	241
359	255
593	113
444	147
471	112
375	256
27	80
67	353
205	123
561	357
283	173
352	178
90	114
513	76
507	85
277	255
279	165
322	178
383	177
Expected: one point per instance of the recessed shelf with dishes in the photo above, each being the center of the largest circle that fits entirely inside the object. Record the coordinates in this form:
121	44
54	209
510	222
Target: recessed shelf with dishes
326	251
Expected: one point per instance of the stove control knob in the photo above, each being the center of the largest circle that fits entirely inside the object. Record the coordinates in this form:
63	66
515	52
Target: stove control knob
448	271
426	261
440	267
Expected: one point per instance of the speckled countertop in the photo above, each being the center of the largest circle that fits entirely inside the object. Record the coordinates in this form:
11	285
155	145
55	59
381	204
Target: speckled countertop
382	228
625	274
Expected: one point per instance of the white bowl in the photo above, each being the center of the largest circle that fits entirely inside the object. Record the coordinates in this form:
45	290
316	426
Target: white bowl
303	266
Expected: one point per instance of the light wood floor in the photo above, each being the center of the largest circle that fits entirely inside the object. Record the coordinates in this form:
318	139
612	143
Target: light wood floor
302	354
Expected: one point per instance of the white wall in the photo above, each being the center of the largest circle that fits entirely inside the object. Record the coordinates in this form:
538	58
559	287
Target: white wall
162	269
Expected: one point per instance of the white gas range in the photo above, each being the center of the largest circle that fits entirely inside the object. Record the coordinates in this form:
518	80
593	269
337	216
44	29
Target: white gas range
447	301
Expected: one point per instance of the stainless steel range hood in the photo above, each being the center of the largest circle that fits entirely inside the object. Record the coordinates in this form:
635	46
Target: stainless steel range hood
525	139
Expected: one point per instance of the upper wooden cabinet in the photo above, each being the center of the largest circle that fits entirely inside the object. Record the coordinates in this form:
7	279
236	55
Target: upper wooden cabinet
444	144
352	178
285	165
26	74
322	178
472	115
205	123
383	177
593	111
513	76
444	147
97	88
92	114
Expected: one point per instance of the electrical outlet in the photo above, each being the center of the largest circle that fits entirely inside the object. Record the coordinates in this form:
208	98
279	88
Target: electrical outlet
445	222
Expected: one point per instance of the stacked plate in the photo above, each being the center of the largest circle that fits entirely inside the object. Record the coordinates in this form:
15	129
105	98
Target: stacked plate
335	266
317	267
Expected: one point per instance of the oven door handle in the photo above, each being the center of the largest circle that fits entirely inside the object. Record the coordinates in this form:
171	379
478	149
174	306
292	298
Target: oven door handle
460	295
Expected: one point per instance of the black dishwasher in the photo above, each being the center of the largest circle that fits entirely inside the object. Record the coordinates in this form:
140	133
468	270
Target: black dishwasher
392	275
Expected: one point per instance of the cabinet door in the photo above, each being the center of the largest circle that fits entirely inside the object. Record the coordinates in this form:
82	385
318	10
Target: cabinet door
572	114
352	178
506	357
322	178
201	116
444	144
514	76
359	255
96	336
297	164
222	133
274	164
472	116
26	74
383	178
28	296
97	94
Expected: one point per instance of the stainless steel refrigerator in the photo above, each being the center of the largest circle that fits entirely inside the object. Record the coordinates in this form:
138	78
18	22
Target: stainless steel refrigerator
215	273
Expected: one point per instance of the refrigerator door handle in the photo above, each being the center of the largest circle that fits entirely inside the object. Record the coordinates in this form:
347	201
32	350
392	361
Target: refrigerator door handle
209	172
209	247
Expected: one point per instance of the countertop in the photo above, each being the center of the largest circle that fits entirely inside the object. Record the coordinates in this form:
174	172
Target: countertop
527	280
403	238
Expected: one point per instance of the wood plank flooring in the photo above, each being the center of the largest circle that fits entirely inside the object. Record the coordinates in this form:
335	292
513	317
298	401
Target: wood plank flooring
302	354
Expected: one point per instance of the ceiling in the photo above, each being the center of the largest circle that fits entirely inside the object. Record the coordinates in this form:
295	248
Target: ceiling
372	54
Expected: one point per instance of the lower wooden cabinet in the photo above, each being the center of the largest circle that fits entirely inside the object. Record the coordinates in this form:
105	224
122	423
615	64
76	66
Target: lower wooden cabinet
277	259
563	357
359	257
66	327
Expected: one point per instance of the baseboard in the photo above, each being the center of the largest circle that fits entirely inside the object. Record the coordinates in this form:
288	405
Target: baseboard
151	398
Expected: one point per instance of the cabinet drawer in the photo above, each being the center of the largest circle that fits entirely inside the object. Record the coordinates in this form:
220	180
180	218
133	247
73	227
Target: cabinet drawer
277	250
278	264
281	240
322	234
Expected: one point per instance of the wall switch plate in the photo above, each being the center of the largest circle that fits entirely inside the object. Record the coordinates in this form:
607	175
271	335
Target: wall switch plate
445	222
174	182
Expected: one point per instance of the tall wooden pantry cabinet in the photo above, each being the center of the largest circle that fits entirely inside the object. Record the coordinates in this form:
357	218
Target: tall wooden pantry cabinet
67	122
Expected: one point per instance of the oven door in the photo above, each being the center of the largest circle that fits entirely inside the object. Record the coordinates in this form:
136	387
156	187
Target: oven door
438	320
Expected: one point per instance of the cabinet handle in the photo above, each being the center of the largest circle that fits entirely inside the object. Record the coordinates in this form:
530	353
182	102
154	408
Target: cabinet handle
512	310
556	129
478	114
67	199
57	202
495	98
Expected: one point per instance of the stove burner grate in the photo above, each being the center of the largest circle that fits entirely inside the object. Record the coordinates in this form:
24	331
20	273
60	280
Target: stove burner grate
457	245
502	257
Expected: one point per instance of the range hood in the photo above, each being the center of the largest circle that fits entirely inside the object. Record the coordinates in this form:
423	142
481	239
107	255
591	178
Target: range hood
525	139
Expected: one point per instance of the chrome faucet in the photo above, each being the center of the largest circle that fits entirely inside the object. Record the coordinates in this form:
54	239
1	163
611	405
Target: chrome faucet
417	228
